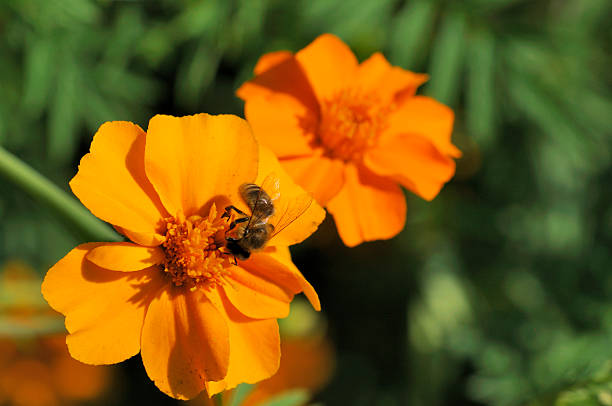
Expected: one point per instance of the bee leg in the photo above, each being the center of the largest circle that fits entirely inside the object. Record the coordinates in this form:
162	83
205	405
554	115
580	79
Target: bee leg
228	211
235	262
237	221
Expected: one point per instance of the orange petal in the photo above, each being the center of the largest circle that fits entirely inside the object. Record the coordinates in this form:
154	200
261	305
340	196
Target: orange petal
270	60
290	193
264	285
147	240
125	256
283	256
282	123
104	310
256	296
287	77
329	65
185	342
377	75
368	207
254	349
412	160
428	118
319	175
190	160
112	183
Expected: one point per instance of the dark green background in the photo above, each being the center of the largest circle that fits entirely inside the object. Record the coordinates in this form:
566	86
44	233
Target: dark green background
497	292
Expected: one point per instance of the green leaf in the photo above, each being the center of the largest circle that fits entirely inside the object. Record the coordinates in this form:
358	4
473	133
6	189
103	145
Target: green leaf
200	20
446	59
295	397
128	29
492	5
39	71
49	194
582	16
196	74
596	391
132	89
583	153
75	11
410	33
481	88
248	23
240	394
362	23
155	45
98	110
64	115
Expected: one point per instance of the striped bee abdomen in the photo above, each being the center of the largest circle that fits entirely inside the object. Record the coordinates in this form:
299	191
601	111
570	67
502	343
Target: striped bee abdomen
257	199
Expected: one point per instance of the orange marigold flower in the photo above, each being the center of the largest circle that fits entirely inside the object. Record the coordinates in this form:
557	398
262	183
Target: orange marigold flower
350	132
40	372
36	370
174	294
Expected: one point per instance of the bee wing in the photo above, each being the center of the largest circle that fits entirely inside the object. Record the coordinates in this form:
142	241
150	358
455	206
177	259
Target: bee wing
271	185
289	211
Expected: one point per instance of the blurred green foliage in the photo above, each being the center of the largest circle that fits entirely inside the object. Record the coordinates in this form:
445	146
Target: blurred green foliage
498	292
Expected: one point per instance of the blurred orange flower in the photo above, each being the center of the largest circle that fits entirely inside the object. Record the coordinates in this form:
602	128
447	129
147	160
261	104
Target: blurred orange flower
173	294
306	364
40	372
37	370
350	132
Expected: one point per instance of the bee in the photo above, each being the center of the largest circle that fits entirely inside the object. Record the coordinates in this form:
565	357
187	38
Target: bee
268	217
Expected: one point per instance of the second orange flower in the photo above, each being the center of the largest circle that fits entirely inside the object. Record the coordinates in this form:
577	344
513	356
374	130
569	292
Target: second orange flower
350	133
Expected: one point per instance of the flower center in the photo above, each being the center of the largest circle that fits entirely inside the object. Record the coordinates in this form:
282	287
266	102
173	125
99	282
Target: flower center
194	248
350	123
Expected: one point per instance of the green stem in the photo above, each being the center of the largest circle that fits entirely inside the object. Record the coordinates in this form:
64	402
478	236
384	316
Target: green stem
49	194
218	399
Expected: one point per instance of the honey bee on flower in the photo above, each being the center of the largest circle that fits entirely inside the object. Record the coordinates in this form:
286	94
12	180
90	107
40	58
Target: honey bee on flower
247	233
351	133
200	320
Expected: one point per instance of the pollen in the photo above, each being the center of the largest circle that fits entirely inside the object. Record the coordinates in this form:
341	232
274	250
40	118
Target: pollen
195	252
351	122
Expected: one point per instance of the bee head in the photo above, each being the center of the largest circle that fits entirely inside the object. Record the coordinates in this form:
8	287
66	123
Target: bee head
237	249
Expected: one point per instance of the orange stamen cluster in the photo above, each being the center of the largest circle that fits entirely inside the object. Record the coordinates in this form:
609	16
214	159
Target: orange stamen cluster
350	123
194	249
